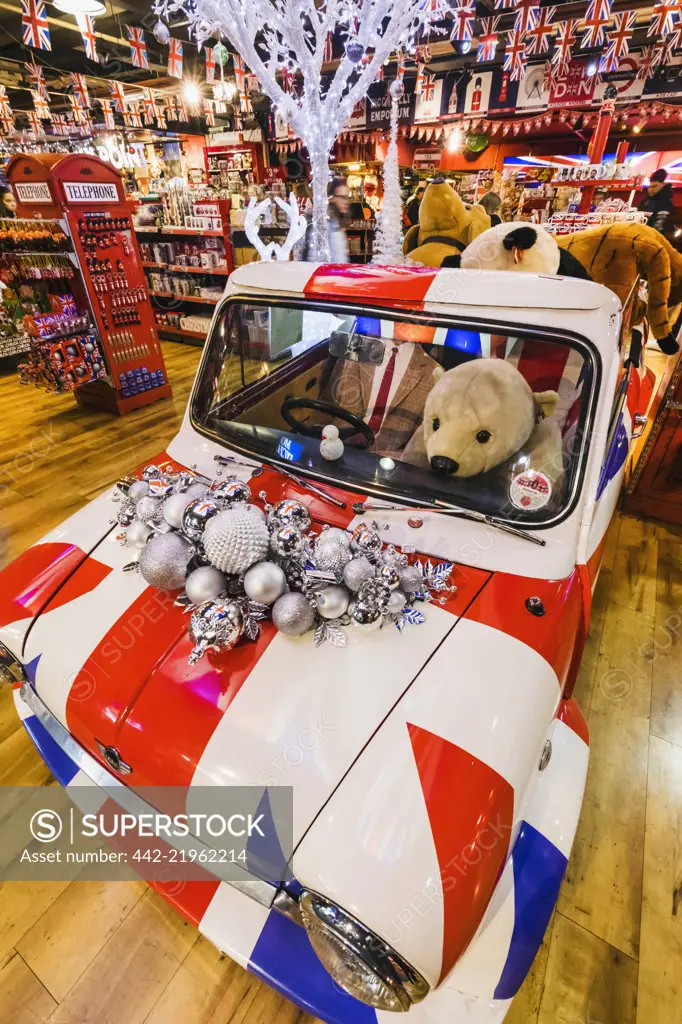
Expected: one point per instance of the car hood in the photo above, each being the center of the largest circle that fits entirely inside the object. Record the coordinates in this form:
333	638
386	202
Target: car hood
112	665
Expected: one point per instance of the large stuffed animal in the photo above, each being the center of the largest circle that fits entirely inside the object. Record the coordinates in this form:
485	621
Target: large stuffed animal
617	254
482	416
518	246
446	225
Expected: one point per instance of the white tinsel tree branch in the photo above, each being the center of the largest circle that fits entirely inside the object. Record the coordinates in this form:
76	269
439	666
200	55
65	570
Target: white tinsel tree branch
388	240
290	35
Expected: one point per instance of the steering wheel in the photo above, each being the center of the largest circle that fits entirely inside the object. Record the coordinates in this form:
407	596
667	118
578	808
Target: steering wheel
357	426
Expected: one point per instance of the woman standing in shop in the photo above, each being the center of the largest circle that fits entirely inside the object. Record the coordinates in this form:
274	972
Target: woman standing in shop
337	217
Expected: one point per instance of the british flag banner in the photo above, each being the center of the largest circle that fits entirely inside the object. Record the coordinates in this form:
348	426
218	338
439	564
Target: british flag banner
36	77
138	48
59	125
5	107
209	113
210	65
618	39
538	37
40	105
428	87
487	39
675	38
80	90
526	15
596	20
240	73
515	55
160	116
87	26
132	116
504	5
151	109
181	109
175	58
663	18
6	123
34	24
77	112
35	127
421	71
463	18
566	39
108	113
245	104
118	97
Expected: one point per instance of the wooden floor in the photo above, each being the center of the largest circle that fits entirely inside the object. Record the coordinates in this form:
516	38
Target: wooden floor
115	954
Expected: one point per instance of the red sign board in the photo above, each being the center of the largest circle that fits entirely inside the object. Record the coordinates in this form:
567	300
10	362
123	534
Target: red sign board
573	89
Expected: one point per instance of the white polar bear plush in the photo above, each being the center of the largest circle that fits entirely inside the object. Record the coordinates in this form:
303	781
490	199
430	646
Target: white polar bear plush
518	246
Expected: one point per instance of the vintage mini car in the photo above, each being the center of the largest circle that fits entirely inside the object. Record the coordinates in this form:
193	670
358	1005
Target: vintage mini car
437	772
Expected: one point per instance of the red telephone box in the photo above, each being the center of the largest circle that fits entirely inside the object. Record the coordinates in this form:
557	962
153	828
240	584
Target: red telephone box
86	194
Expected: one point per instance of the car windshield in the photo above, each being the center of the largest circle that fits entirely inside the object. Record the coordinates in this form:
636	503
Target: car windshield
425	409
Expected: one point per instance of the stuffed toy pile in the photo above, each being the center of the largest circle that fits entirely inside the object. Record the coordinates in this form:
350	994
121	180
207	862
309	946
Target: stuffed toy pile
446	225
518	246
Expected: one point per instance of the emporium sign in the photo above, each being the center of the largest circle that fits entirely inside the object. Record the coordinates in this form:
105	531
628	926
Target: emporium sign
378	107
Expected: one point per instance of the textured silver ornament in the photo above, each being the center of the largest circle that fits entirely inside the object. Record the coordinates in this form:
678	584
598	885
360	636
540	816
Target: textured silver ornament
289	512
164	560
332	602
374	592
366	541
265	582
411	579
161	33
149	510
390	575
138	490
151	471
338	533
205	584
292	614
197	514
227	492
197	490
137	534
235	539
286	540
357	571
173	508
366	617
126	513
331	554
396	602
217	625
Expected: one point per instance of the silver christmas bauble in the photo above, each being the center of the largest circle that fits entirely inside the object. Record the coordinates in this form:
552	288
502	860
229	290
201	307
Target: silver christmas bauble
289	512
197	514
286	540
126	513
331	554
265	582
332	602
160	487
138	490
197	490
149	510
137	534
164	560
390	575
217	624
173	508
151	471
411	579
396	602
366	541
390	556
204	584
293	614
374	592
183	480
338	533
227	492
161	33
357	571
366	617
235	539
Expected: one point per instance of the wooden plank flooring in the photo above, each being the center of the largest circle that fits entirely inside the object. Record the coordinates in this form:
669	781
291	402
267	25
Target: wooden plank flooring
116	954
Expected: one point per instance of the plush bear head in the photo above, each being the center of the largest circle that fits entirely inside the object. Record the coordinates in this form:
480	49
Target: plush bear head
446	225
519	246
478	415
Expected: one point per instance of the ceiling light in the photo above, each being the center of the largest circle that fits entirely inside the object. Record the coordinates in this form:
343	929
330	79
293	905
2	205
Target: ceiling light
191	92
91	7
455	140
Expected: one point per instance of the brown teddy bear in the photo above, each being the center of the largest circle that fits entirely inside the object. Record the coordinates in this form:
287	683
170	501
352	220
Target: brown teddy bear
446	225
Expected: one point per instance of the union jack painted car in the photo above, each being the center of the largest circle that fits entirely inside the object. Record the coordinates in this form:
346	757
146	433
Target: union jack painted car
437	773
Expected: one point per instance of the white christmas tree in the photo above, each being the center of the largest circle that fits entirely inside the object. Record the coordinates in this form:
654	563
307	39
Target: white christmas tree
287	42
388	240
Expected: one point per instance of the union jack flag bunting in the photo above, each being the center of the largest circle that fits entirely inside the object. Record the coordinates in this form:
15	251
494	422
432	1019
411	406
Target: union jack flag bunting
108	113
34	24
240	72
59	125
515	55
526	15
161	116
566	39
504	5
76	110
175	58
132	117
209	113
118	97
80	90
664	17
428	87
463	18
7	122
618	39
238	125
40	105
538	37
181	108
34	124
5	107
151	109
487	39
245	104
138	48
87	26
421	71
675	38
596	20
210	65
36	77
549	77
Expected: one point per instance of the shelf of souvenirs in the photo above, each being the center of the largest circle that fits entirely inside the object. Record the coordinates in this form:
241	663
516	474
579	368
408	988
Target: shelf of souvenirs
31	266
39	238
182	287
186	298
181	325
567	223
209	257
213	271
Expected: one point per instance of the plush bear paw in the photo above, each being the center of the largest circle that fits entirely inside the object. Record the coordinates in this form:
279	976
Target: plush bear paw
668	344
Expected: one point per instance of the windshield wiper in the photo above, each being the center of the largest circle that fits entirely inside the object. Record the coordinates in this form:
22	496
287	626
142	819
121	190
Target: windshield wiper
447	509
225	460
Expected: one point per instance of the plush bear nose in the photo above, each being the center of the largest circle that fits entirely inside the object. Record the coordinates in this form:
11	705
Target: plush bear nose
442	464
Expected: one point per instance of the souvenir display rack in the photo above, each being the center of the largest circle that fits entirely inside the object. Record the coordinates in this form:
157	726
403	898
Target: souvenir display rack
105	278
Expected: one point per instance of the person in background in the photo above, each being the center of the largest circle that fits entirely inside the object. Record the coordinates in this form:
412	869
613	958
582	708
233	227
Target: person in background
658	202
337	216
8	204
491	203
413	203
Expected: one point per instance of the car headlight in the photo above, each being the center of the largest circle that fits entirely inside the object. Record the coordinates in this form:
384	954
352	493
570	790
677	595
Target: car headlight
357	959
11	670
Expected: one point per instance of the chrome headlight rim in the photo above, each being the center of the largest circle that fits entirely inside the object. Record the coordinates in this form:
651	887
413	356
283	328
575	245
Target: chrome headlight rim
405	982
11	669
